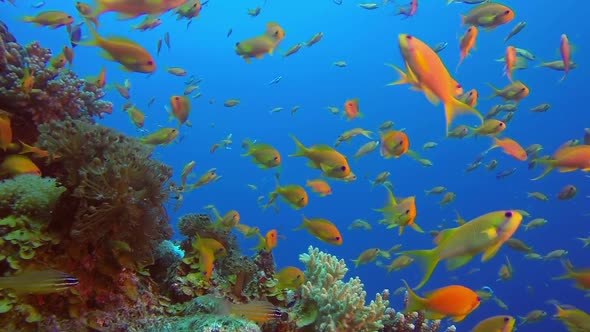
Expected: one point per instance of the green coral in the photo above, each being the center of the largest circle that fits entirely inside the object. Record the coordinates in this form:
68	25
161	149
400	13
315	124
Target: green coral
29	195
26	205
340	305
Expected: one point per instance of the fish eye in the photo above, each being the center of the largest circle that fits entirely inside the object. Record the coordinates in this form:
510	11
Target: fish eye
469	30
507	12
408	37
176	98
343	168
337	238
149	63
508	214
506	319
407	211
471	93
478	299
523	89
238	44
400	143
69	16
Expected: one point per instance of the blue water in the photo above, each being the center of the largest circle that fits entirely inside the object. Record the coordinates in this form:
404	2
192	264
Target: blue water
365	40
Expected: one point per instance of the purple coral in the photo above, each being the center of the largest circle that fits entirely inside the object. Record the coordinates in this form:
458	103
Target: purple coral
57	93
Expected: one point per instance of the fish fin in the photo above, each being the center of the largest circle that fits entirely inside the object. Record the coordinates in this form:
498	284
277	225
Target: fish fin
415	302
301	149
433	99
550	166
413	154
433	315
401	229
566	169
456	262
491	252
454	107
417	228
491	233
457	319
428	259
403	77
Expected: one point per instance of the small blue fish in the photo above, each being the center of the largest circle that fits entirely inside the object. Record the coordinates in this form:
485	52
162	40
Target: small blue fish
75	33
38	4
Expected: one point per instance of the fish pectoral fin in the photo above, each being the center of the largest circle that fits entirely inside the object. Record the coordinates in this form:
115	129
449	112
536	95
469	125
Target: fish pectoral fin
491	233
457	262
433	315
566	169
106	56
457	319
491	252
417	228
433	99
486	19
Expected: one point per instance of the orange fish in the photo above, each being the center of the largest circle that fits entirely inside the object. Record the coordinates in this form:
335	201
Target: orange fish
566	55
322	229
5	130
258	46
394	144
582	277
16	164
351	109
435	80
320	186
268	242
510	61
567	159
51	18
467	43
510	147
455	301
181	108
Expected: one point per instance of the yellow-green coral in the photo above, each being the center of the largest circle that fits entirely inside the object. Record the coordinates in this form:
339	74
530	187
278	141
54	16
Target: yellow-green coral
340	305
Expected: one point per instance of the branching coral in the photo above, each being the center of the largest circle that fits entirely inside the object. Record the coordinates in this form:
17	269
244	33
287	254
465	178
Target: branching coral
341	305
56	93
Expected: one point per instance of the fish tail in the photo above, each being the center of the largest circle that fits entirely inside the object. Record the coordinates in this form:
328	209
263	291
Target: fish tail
550	166
415	302
301	149
27	18
367	133
496	90
454	108
429	260
569	271
303	225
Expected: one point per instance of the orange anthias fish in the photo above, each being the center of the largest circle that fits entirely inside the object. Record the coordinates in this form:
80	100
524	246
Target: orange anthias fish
500	323
52	18
268	242
332	163
394	144
293	194
160	137
488	15
322	229
510	147
467	43
186	171
567	159
181	109
456	301
582	277
16	164
319	186
510	62
351	109
131	9
266	43
132	56
566	55
434	78
459	245
400	213
5	130
290	277
262	154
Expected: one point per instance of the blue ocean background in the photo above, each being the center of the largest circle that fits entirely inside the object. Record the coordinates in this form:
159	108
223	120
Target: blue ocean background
366	40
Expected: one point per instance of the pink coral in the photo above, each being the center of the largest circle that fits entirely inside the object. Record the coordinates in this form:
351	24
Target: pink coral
57	93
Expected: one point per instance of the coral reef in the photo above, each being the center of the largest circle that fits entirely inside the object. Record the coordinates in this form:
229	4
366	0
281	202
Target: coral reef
340	305
410	322
56	94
